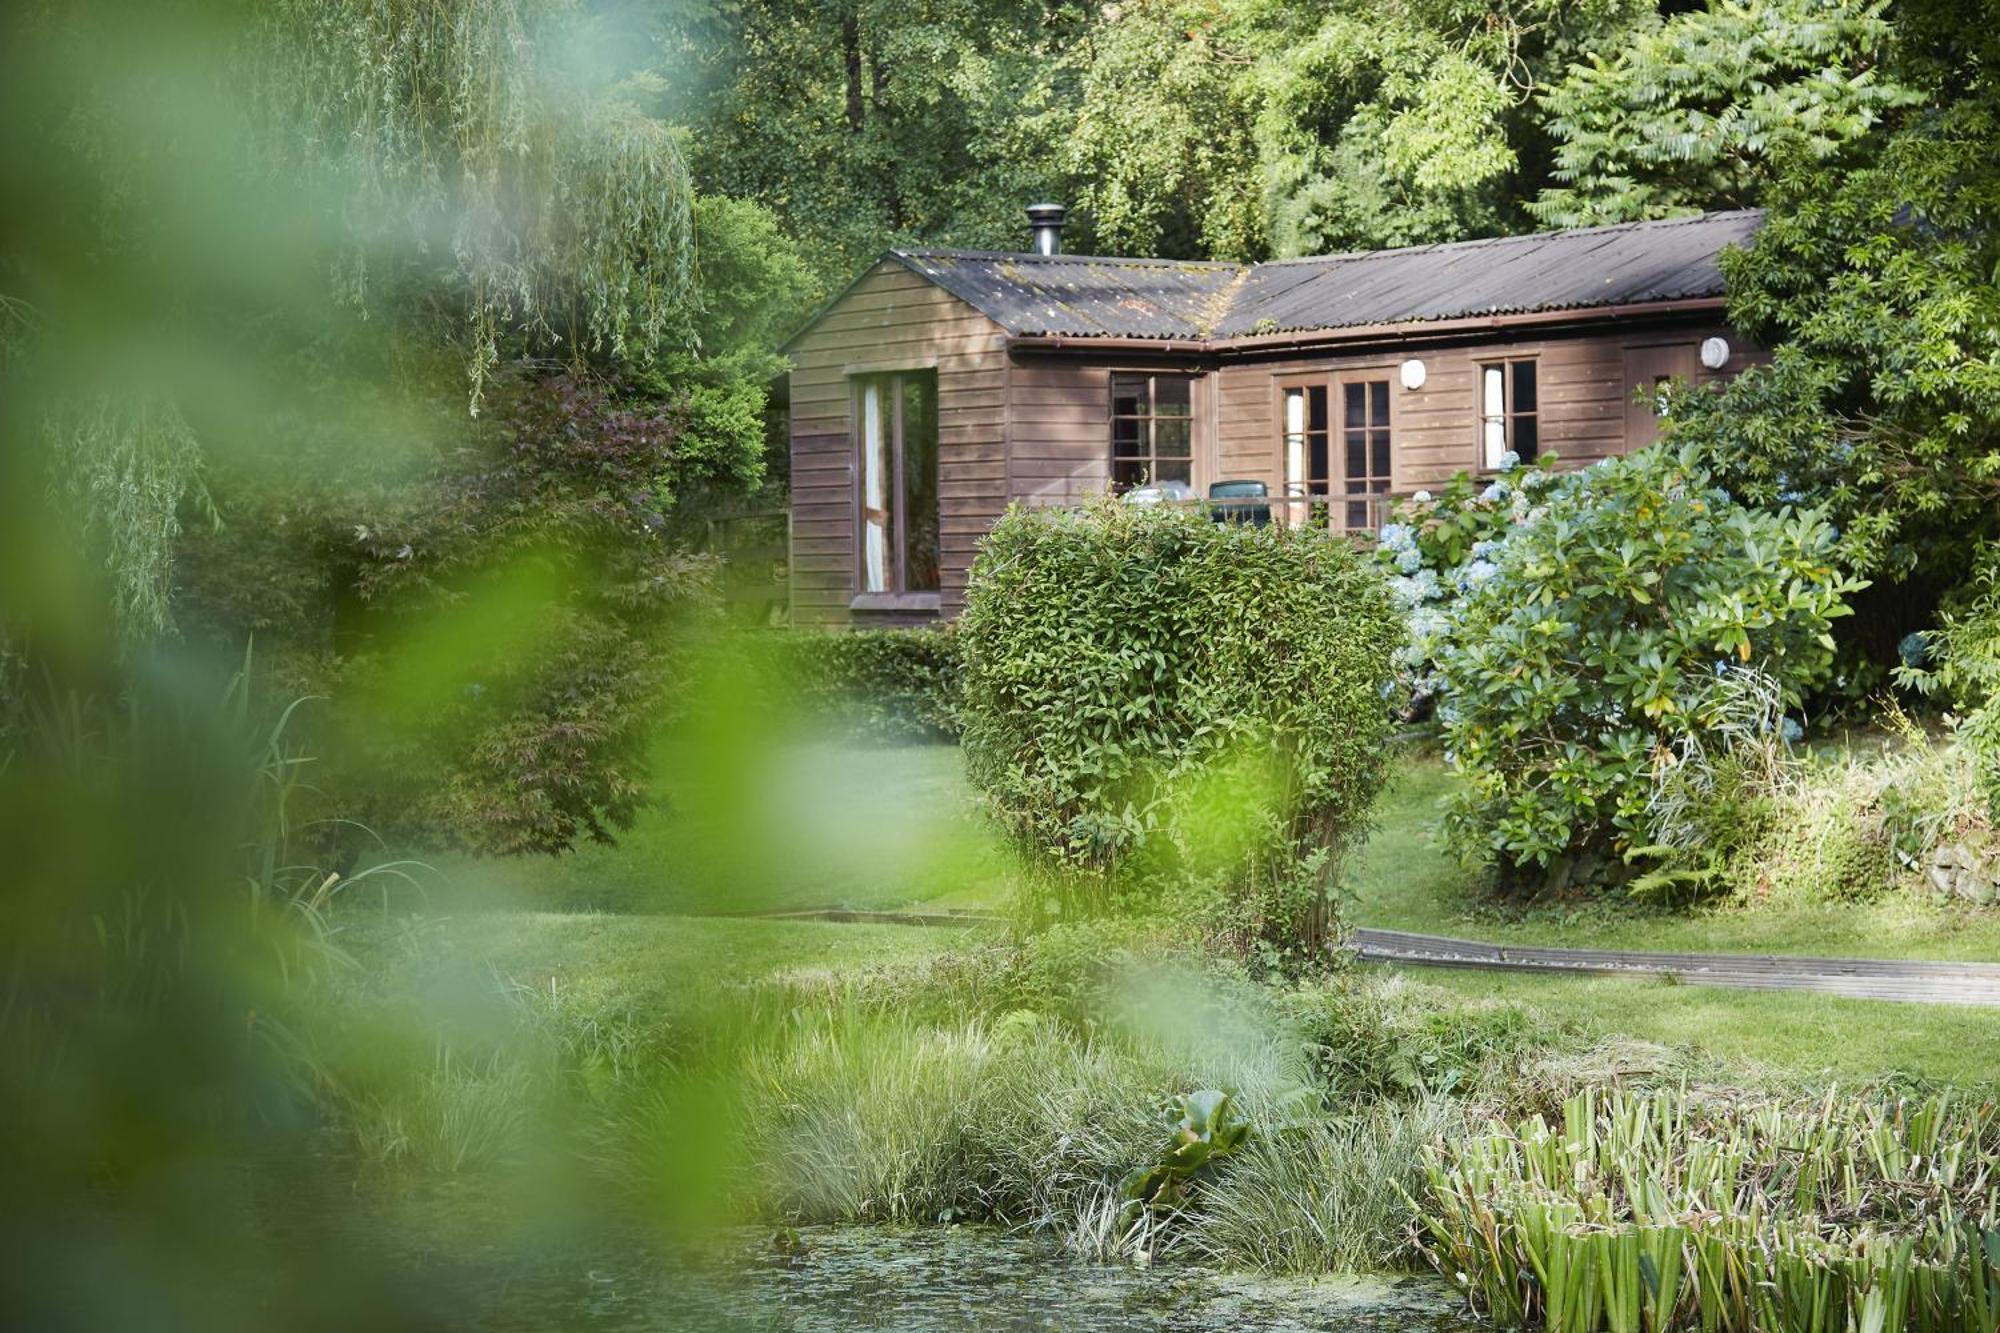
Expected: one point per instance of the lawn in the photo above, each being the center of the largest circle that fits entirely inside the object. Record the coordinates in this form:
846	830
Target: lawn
809	825
625	930
653	969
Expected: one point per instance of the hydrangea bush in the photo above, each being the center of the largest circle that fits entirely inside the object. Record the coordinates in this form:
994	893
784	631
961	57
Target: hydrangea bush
1438	547
1573	668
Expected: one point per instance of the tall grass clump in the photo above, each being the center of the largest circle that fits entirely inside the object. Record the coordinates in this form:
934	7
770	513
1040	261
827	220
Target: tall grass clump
1164	710
1748	812
1325	1195
1641	1212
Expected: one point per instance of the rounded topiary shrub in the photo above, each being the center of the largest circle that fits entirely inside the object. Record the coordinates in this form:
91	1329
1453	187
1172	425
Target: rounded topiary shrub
1166	709
1596	648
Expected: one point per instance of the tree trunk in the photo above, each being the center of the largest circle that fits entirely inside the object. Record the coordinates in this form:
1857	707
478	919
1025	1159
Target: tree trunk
850	48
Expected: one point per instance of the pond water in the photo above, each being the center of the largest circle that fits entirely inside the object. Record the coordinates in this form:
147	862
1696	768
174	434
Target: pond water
943	1278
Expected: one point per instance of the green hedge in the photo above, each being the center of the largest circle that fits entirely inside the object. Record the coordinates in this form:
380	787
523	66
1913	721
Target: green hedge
883	684
1164	708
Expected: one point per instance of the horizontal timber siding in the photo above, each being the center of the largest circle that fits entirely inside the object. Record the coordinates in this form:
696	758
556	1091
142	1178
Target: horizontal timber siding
892	319
1581	382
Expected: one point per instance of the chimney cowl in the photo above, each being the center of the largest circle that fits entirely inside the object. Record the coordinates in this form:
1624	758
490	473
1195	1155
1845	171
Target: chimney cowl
1047	221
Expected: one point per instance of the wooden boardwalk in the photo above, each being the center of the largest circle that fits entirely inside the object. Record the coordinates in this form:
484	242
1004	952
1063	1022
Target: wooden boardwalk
1857	978
1860	978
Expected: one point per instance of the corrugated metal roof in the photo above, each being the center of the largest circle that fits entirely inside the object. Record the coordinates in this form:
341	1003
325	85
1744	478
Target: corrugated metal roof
1084	297
1080	296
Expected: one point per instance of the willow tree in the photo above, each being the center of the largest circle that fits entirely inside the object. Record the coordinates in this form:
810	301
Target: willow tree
451	172
534	211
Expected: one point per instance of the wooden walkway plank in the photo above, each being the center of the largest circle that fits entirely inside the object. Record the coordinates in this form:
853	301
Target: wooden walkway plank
1863	978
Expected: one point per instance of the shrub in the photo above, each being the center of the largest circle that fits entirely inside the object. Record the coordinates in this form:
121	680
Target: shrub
1162	705
1967	670
1439	546
1595	645
1743	811
887	685
522	620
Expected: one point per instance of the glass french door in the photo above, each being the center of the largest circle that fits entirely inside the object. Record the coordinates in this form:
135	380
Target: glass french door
1338	474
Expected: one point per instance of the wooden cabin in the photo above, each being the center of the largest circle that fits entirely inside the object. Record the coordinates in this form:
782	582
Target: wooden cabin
942	385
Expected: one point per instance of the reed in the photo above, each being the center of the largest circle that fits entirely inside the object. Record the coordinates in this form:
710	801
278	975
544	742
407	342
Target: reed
1646	1212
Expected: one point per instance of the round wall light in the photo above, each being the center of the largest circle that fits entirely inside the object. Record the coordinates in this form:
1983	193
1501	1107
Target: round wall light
1715	352
1413	374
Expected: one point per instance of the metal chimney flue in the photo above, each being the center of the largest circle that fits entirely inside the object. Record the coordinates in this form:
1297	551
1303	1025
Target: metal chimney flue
1047	221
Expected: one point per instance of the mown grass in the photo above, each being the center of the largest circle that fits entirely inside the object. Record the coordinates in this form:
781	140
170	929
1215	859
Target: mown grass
832	826
651	970
1404	880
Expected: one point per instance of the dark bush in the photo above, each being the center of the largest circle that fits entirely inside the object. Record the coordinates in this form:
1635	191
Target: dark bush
1179	712
882	684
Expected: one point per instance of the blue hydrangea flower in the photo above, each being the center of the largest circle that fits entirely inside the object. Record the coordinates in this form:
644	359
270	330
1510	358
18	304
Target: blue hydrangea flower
1396	537
1509	461
1478	572
1914	649
1494	493
1792	731
1422	497
1484	550
1410	560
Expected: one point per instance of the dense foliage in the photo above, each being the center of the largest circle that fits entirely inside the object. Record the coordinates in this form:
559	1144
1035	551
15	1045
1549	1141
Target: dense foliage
517	628
1662	1210
884	684
1961	661
1248	129
1170	707
1595	644
1696	113
1745	810
1873	280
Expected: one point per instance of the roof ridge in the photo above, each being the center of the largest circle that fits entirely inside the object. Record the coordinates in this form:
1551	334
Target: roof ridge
1476	241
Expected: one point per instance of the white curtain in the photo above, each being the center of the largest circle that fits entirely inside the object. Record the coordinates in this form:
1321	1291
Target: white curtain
1493	413
875	491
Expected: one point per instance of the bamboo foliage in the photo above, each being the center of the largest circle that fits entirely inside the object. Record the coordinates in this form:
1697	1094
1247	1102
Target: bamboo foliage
1643	1213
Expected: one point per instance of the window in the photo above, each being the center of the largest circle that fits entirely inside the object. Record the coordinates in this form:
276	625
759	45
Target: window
1507	412
897	417
1152	430
1364	429
1336	477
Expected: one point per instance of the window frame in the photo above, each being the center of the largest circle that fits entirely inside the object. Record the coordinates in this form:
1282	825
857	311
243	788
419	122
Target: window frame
1508	413
1152	417
897	595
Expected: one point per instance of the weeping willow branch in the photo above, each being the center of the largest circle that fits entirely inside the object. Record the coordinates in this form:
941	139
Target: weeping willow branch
125	470
466	139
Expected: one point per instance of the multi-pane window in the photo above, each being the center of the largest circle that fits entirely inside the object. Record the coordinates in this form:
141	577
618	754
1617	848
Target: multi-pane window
1364	432
897	418
1336	470
1152	430
1508	418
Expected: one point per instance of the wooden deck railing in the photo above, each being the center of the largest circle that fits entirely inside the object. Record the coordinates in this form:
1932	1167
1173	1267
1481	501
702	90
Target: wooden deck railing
1326	510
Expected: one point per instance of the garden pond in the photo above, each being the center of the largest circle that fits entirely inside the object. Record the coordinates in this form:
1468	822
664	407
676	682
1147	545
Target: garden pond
839	1278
